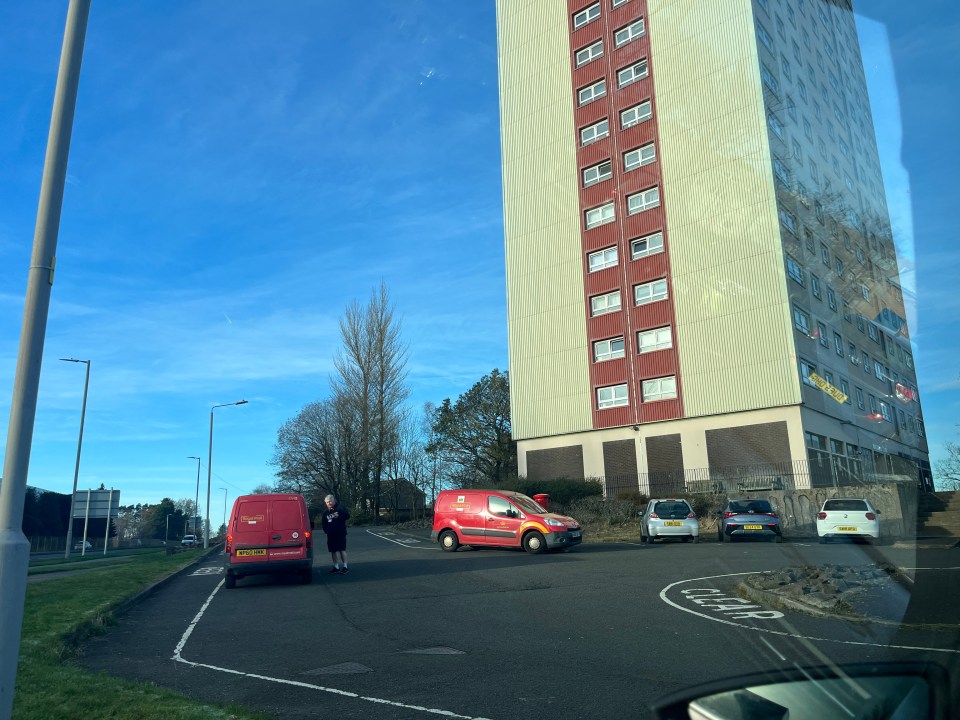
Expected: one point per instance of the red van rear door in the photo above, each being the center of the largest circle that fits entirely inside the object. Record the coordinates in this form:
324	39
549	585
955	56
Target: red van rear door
288	530
251	531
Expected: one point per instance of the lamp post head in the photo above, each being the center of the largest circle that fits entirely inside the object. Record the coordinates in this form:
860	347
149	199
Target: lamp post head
81	361
240	402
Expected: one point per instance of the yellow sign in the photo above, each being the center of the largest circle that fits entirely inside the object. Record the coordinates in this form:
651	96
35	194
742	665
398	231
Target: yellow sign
828	388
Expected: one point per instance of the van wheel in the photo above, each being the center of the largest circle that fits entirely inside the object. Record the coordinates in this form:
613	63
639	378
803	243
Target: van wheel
230	581
448	541
534	543
306	576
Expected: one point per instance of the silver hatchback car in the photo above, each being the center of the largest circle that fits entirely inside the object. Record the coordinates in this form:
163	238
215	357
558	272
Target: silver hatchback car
669	519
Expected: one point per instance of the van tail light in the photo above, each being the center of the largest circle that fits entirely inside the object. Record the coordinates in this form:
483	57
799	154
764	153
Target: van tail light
308	538
228	546
654	516
821	516
691	516
871	516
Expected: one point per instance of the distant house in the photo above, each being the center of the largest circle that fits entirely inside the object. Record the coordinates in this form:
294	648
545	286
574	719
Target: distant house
402	498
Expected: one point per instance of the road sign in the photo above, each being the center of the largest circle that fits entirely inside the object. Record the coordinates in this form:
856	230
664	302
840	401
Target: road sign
100	503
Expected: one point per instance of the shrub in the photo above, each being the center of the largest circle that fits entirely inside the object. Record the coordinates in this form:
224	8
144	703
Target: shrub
562	491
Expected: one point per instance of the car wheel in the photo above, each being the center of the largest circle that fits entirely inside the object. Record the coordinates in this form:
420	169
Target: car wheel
643	538
230	581
721	536
778	538
534	543
696	539
448	541
685	538
823	540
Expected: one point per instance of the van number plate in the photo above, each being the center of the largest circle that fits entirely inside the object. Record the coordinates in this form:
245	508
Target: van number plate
251	553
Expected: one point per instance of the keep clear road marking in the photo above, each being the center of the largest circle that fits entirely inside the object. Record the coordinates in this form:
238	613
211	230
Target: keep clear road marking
404	541
739	609
213	570
178	657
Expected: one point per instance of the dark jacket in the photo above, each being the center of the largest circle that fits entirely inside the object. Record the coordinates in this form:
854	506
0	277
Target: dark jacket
335	521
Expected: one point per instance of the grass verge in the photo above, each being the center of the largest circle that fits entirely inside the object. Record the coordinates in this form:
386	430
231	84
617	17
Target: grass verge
59	615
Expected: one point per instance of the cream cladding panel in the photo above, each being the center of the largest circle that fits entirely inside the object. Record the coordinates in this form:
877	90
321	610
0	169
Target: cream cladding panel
732	311
549	372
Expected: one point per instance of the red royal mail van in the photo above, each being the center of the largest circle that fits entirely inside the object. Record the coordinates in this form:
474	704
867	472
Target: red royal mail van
495	518
269	534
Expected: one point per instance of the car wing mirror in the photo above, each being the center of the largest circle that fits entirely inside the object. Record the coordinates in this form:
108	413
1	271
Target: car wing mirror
881	690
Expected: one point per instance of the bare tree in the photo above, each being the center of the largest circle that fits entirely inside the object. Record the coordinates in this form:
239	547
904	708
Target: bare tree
948	468
370	386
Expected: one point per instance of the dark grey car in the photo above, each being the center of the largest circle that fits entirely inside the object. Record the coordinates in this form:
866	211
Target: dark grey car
749	518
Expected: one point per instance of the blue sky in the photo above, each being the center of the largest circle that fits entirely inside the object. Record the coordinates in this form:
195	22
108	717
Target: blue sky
240	171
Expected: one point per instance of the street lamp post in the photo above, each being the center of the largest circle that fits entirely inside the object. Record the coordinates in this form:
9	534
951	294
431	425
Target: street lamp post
206	529
196	502
166	538
76	468
224	525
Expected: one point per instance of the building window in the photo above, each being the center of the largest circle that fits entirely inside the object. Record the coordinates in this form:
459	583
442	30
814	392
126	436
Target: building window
872	331
600	215
825	254
764	37
873	403
606	303
629	33
639	157
838	344
608	349
860	323
591	52
769	80
822	335
801	321
659	389
865	292
647	245
632	73
602	259
847	315
845	389
644	200
592	92
831	299
618	3
781	172
859	394
595	132
878	370
815	287
650	292
885	411
597	173
635	115
611	396
920	429
651	340
807	369
774	124
839	267
788	221
586	15
866	362
794	270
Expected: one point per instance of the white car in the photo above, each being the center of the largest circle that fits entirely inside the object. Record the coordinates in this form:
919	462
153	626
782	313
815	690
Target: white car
848	517
83	545
189	541
664	519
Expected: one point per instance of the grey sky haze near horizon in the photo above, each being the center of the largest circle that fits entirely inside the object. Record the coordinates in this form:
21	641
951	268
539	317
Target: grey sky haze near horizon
237	178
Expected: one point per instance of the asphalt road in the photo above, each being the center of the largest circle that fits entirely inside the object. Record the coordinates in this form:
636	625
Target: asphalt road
413	632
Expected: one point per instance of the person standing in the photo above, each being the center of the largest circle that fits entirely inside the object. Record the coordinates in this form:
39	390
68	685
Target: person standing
335	527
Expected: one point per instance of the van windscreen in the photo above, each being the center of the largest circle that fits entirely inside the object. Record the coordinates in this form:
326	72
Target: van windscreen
527	505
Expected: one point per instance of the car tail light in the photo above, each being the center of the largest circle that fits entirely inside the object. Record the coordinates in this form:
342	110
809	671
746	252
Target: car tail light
691	516
772	514
728	514
654	516
871	516
821	516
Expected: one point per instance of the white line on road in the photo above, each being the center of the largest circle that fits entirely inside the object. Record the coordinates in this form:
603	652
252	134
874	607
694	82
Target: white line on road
405	543
783	633
178	657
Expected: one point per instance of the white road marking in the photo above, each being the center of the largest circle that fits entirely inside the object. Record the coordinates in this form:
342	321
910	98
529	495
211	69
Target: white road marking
207	571
406	542
783	633
178	657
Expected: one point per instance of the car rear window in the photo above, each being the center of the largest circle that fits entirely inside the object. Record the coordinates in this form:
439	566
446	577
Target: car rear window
854	505
672	509
754	506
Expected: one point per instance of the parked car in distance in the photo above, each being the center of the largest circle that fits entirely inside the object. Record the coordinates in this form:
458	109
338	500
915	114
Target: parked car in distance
663	519
83	545
189	540
269	534
745	517
848	517
500	518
